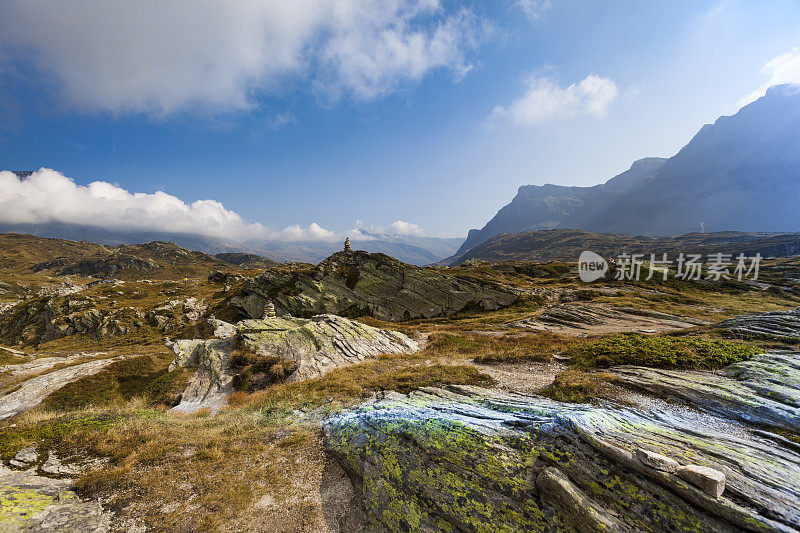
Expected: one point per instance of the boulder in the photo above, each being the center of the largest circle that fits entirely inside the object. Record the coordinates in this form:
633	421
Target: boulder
656	460
312	346
711	481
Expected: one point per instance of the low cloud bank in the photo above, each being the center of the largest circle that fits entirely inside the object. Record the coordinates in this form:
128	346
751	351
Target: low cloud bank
47	196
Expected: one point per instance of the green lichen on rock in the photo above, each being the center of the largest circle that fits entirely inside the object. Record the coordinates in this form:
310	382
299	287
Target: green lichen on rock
473	460
18	505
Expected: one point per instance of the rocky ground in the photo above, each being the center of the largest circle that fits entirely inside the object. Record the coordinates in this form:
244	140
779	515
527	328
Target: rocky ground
486	397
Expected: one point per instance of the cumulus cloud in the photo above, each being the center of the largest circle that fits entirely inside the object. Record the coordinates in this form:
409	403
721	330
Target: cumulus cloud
545	100
398	227
784	68
159	57
49	196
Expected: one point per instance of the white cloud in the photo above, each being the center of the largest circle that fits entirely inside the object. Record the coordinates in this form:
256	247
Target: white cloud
160	57
534	9
362	231
784	68
49	196
314	232
545	100
400	227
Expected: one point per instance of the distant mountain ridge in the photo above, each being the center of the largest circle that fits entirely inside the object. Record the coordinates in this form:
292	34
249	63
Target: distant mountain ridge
541	207
741	173
567	244
407	248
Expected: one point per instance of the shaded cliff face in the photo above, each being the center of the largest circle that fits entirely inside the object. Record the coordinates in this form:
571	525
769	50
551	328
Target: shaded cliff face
542	207
364	284
740	173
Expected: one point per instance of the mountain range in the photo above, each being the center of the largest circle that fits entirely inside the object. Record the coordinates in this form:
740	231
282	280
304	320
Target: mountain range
407	248
741	173
567	244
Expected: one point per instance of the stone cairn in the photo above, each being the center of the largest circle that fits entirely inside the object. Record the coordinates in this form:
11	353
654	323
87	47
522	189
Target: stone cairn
269	310
347	245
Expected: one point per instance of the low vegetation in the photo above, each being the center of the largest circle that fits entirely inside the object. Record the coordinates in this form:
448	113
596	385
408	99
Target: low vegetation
575	386
659	352
146	377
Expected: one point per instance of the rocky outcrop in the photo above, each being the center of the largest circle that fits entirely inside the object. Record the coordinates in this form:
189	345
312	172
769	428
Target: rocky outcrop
33	391
462	458
360	283
312	347
212	383
593	318
40	320
34	503
764	390
322	343
776	324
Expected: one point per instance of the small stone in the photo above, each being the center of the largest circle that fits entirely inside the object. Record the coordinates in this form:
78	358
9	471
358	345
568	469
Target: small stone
709	480
27	455
656	460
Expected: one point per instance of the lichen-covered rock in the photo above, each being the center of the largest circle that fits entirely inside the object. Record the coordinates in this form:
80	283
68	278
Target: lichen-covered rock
314	347
321	344
467	459
360	283
32	503
762	390
212	383
775	324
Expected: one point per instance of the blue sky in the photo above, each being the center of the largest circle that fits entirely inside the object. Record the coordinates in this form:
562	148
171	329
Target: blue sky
427	112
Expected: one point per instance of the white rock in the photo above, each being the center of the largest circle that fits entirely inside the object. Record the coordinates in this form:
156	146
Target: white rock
709	480
656	460
26	455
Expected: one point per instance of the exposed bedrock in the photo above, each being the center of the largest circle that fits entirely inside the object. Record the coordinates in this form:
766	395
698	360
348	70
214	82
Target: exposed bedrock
313	346
764	390
470	459
360	283
775	324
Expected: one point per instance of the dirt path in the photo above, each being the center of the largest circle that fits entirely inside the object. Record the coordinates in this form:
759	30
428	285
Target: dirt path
525	378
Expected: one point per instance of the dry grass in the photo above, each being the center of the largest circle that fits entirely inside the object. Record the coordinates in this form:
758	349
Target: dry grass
575	386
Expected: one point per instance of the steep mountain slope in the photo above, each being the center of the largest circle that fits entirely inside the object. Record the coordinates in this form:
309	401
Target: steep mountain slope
740	173
538	207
